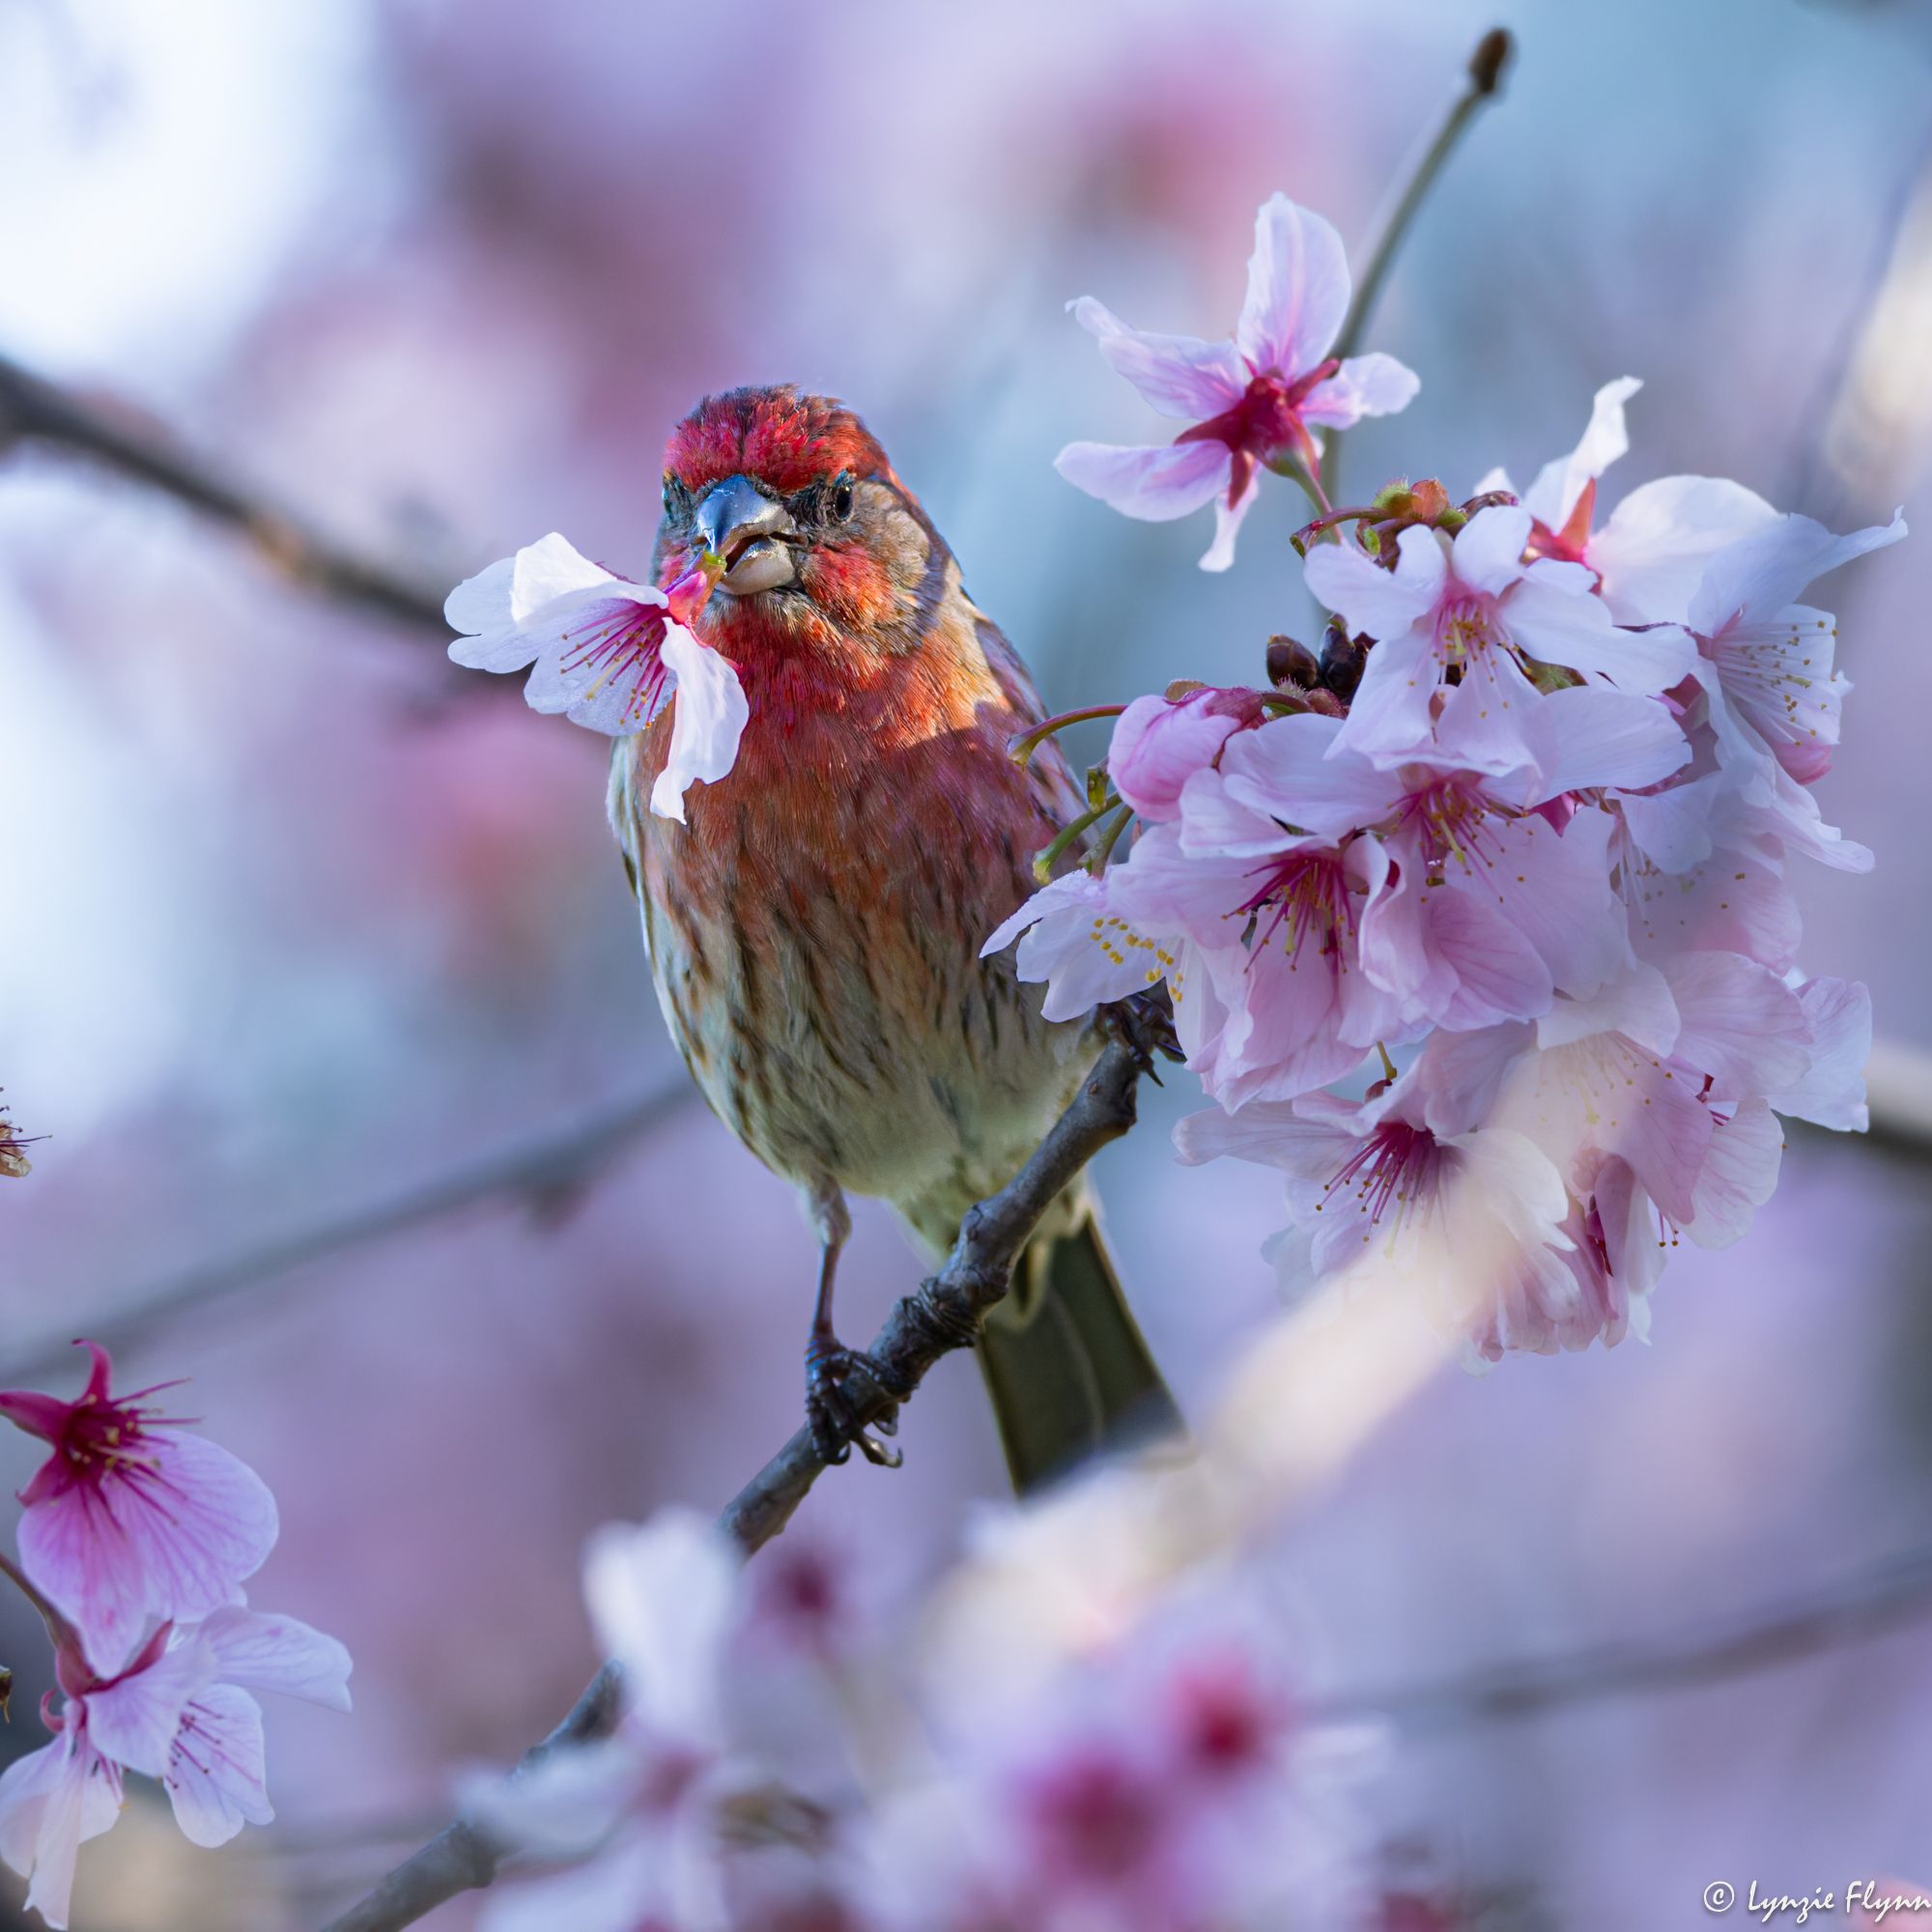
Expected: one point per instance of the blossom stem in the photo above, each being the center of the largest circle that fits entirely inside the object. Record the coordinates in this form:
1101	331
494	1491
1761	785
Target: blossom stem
1484	82
1286	463
58	1627
1022	748
1097	862
1045	861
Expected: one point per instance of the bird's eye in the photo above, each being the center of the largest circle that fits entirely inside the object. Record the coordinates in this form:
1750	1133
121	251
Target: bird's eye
842	495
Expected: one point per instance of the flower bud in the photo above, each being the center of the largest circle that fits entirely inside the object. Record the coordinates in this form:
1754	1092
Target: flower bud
1291	664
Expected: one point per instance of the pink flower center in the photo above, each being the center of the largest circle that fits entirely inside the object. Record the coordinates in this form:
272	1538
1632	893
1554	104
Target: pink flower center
1307	893
98	1436
1395	1166
1097	1816
1226	1720
624	642
1453	820
1465	624
1264	422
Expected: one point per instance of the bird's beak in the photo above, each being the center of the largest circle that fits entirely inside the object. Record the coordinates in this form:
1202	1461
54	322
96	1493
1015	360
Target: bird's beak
748	531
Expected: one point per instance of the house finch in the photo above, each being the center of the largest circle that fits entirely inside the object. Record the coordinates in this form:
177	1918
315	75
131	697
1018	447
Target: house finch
815	928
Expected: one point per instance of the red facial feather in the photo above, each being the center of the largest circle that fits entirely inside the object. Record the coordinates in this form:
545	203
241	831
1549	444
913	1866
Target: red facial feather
782	438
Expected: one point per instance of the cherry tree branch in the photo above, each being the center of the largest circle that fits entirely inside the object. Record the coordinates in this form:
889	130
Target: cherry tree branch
942	1315
33	408
1482	84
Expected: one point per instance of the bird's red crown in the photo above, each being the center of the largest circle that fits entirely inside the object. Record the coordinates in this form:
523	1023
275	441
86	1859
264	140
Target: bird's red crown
784	438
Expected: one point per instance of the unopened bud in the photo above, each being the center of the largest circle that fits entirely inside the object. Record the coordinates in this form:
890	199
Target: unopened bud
1291	664
1488	62
1342	659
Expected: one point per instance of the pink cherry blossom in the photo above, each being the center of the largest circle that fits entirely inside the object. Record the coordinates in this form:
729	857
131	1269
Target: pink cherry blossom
1092	948
1765	661
1650	554
638	1814
608	653
1468	1221
131	1521
1477	605
1252	400
1488	906
1159	743
183	1711
1277	916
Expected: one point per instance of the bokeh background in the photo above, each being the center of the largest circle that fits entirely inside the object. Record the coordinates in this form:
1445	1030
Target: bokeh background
297	925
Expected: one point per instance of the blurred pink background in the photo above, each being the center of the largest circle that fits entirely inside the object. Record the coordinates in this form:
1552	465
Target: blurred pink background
289	928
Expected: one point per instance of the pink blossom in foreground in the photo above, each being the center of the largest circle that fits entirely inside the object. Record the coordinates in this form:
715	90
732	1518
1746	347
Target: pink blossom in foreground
182	1712
608	653
1650	554
1160	1783
1465	1220
1251	400
132	1521
638	1814
1476	604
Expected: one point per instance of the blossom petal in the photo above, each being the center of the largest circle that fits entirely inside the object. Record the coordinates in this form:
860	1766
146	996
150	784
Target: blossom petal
1558	484
1343	578
665	1599
1561	628
1365	386
1072	936
1178	375
709	712
1652	552
218	1776
480	604
262	1650
1832	1089
133	1719
168	1536
51	1801
1154	485
1742	1027
1738	1177
1299	289
1759	575
1284	771
1228	520
1587	736
1389	716
1159	745
1487	553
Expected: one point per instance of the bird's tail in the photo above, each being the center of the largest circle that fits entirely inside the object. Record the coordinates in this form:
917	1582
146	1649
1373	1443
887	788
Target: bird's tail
1065	1362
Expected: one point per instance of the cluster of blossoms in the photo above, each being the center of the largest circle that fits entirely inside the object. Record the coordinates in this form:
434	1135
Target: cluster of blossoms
1527	815
136	1538
1128	1757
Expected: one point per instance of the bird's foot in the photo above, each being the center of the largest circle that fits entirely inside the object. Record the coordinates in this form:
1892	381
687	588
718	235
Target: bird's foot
848	1399
1144	1022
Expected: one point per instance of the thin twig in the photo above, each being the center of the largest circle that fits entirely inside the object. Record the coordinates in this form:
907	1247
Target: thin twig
32	407
1896	1591
1484	81
558	1158
942	1315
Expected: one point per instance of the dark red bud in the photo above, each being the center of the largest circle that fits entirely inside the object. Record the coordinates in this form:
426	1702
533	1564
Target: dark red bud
1342	657
1291	664
1487	63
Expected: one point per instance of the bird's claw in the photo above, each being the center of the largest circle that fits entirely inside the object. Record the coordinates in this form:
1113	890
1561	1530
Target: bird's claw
846	1400
1144	1022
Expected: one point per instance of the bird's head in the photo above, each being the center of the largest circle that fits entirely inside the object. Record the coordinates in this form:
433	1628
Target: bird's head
819	538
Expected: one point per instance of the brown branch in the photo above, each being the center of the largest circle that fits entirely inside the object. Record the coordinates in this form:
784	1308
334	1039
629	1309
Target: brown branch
943	1315
34	409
